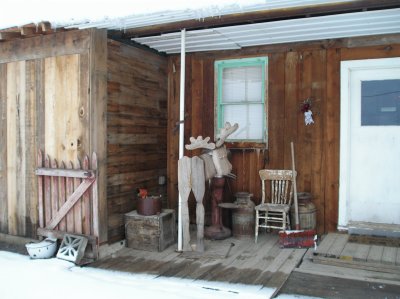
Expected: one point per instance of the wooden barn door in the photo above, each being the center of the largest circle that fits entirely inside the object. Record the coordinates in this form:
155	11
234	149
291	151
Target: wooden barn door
44	105
370	142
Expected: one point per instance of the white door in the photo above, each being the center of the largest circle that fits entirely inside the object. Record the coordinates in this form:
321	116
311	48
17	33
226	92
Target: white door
370	141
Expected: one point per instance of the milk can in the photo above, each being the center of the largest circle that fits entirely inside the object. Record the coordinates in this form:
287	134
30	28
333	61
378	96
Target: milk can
243	216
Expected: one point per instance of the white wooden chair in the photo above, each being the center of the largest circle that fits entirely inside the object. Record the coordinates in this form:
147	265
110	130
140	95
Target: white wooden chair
275	212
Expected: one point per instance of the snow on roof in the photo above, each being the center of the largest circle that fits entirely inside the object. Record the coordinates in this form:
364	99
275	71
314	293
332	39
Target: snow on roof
124	14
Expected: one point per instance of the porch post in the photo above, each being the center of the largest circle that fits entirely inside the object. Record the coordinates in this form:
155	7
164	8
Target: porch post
181	128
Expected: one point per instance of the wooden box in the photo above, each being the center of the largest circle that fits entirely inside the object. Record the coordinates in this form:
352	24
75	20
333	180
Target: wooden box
152	233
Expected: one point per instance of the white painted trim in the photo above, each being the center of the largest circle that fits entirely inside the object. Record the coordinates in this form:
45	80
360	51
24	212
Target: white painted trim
181	128
346	68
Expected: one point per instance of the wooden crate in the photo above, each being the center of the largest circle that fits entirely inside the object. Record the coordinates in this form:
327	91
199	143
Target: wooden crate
152	233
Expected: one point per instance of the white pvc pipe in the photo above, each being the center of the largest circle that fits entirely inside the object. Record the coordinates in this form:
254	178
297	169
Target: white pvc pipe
181	128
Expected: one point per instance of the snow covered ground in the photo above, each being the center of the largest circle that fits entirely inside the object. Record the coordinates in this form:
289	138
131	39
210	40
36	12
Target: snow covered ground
24	278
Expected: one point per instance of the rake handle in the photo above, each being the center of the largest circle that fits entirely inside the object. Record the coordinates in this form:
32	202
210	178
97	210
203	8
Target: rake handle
296	207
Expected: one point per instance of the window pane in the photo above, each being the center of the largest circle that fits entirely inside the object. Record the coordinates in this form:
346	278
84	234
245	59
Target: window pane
240	84
250	120
380	103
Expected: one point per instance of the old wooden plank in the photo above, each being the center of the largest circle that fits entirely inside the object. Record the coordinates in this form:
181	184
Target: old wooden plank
21	147
276	111
40	117
173	132
83	146
349	251
366	271
54	190
361	253
273	266
369	266
77	208
47	193
337	247
305	134
335	287
62	197
280	277
69	189
41	202
197	98
12	106
98	125
62	81
31	146
318	93
50	80
375	254
389	255
220	271
326	244
3	150
63	43
380	51
71	173
151	139
292	81
331	139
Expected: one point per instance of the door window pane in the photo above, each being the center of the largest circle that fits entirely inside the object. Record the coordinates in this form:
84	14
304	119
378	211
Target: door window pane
380	103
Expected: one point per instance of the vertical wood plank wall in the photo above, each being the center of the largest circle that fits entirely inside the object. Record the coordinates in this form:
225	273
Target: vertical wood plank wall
296	72
136	128
44	104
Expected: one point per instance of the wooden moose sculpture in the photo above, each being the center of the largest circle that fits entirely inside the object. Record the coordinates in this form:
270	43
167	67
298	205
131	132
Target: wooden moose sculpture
192	174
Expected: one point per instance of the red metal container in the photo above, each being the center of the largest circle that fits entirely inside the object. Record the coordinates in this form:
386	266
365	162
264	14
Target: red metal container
148	206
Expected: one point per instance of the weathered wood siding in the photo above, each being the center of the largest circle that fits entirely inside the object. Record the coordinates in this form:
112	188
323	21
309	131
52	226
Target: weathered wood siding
136	128
296	72
47	100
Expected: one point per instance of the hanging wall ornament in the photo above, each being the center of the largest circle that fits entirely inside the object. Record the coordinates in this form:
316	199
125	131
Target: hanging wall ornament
306	109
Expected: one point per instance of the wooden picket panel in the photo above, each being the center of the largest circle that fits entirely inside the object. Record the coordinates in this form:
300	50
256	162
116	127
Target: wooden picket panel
78	206
40	191
68	201
61	201
70	190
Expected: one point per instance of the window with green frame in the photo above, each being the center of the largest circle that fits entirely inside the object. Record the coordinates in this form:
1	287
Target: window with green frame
241	92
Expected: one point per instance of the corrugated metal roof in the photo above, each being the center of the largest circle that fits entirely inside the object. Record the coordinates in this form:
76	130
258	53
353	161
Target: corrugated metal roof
163	17
305	29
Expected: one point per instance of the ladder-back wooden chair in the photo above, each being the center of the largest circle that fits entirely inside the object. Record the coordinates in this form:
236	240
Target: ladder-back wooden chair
274	213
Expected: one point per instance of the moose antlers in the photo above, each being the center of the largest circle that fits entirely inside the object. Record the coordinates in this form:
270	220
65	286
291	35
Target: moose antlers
227	130
199	142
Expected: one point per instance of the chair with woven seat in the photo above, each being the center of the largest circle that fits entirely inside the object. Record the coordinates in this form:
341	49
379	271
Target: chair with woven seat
274	213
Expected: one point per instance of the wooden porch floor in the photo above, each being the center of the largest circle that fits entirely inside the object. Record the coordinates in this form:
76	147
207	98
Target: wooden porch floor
344	267
230	260
342	249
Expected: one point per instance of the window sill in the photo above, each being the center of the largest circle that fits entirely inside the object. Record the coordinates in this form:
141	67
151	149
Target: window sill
246	145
